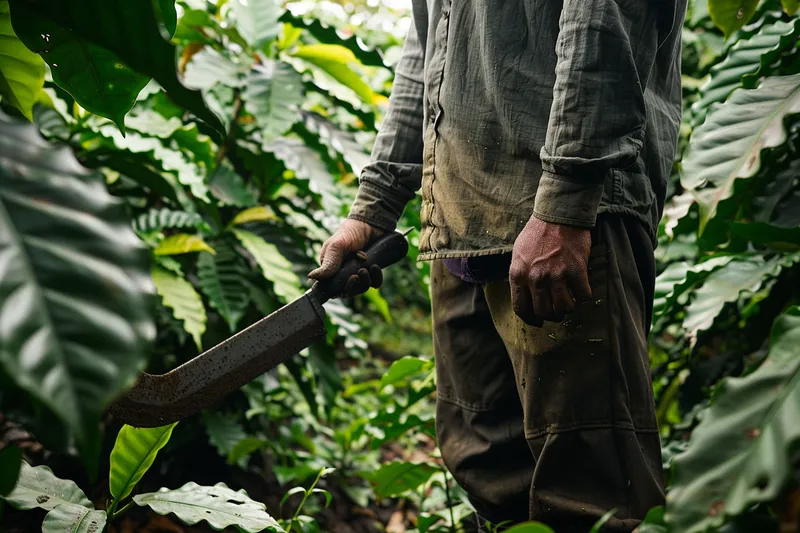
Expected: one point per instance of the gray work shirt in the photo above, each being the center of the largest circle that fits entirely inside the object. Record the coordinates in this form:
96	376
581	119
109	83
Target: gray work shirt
504	109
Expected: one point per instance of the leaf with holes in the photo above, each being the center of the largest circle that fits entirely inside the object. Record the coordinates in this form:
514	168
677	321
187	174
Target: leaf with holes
220	506
223	279
274	266
397	477
727	147
337	61
273	94
74	519
75	292
38	487
187	306
730	15
257	20
132	456
741	453
745	63
21	71
106	51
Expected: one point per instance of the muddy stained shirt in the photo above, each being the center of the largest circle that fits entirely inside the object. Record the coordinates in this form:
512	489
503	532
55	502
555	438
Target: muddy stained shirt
506	108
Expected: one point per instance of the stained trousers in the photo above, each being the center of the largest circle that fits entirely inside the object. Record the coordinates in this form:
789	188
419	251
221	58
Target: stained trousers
553	423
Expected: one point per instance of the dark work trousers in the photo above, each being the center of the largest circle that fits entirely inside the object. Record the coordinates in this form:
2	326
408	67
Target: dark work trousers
557	423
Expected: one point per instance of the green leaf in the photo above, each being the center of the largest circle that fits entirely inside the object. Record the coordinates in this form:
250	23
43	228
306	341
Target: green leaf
397	477
187	306
273	94
230	188
730	15
254	214
336	60
597	527
530	527
338	140
380	304
790	6
10	464
767	234
74	519
222	278
224	431
121	38
182	243
307	164
742	451
677	278
21	71
245	447
724	285
329	35
403	368
275	267
132	456
75	295
257	20
208	68
728	146
157	220
38	487
220	506
745	63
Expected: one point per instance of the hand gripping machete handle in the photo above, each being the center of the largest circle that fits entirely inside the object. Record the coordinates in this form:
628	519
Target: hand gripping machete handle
383	252
157	400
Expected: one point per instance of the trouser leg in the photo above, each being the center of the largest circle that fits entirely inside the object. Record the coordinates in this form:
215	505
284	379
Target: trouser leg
479	415
589	416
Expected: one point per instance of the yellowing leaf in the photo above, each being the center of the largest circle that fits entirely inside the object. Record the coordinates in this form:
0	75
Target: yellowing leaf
254	214
336	60
182	243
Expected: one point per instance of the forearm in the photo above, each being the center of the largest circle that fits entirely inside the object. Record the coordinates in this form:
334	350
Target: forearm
598	115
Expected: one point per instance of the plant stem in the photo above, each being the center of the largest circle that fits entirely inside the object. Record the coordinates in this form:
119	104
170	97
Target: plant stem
124	508
449	502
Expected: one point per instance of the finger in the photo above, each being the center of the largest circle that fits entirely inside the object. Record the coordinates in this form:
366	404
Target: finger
351	282
360	284
579	286
331	258
563	304
543	303
522	304
375	276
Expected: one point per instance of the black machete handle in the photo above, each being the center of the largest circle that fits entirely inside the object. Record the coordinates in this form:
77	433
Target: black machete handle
383	252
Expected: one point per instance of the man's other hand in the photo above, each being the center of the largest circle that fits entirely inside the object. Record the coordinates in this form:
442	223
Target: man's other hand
352	236
548	273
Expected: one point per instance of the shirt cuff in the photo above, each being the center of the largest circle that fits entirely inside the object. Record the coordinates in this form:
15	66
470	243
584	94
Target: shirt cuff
563	201
376	205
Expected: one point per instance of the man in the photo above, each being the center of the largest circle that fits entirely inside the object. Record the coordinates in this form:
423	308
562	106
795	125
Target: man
542	133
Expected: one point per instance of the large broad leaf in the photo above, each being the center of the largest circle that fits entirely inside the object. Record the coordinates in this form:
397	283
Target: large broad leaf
790	6
74	519
111	47
208	68
273	94
403	368
728	146
257	20
329	35
337	61
224	431
230	188
742	451
75	293
21	71
398	477
730	15
338	140
220	506
222	278
677	278
187	306
38	487
132	456
275	267
307	164
724	285
744	64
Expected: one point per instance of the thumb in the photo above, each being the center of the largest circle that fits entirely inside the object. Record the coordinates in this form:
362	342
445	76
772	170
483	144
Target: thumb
331	257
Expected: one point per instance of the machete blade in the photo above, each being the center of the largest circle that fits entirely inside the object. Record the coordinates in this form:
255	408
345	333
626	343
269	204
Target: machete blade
158	400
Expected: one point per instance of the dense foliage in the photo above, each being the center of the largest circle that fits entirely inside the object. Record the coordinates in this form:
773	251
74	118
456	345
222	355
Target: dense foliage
184	164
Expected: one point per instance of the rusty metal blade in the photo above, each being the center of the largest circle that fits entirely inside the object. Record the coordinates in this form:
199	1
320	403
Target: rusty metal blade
157	400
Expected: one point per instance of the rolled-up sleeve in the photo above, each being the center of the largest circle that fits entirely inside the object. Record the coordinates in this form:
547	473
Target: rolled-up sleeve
394	173
605	51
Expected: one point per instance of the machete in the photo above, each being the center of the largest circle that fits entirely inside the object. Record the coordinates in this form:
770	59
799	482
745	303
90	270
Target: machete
158	400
